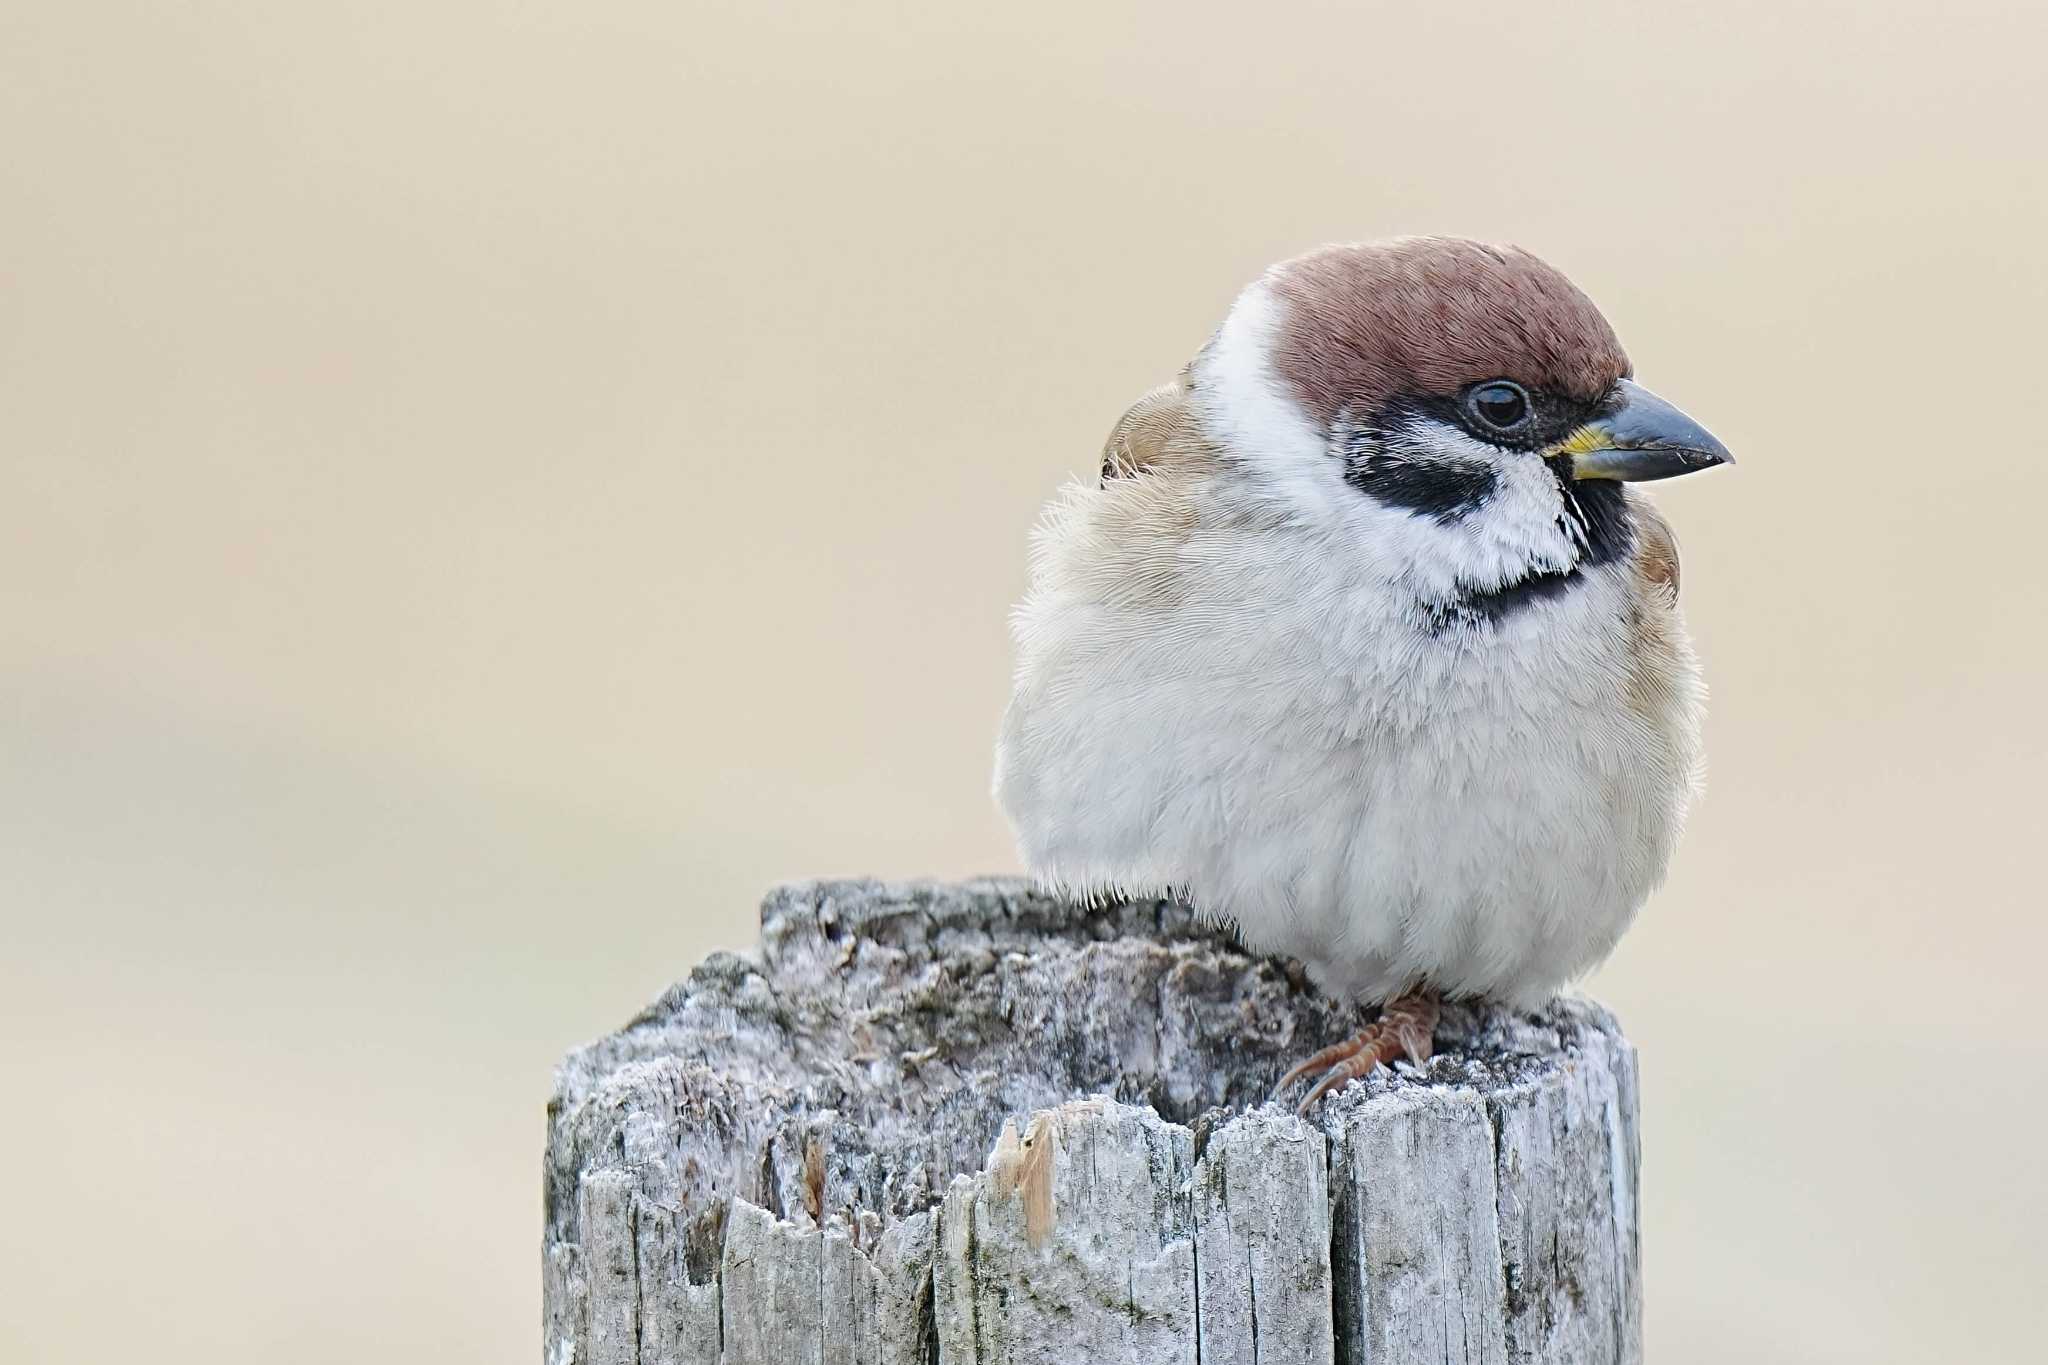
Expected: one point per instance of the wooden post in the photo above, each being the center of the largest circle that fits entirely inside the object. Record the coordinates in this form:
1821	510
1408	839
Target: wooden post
968	1123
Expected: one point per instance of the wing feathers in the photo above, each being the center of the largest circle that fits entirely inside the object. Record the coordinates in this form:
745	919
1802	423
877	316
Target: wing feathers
1156	430
1656	555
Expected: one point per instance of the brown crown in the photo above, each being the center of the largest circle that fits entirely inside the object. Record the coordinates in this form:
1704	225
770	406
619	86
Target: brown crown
1430	315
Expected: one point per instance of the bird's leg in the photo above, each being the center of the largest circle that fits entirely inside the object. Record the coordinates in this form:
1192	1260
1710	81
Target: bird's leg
1405	1028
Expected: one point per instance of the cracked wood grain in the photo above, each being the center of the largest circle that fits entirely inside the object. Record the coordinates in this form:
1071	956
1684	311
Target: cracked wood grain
937	1123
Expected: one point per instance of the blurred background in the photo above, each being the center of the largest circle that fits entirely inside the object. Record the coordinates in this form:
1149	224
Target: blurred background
485	490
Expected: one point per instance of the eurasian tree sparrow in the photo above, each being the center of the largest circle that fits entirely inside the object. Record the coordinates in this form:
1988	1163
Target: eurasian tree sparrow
1363	642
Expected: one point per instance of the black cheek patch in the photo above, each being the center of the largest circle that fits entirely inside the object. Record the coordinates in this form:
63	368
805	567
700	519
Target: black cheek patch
1446	490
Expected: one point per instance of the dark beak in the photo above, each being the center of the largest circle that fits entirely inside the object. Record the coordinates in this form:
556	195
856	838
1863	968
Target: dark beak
1642	437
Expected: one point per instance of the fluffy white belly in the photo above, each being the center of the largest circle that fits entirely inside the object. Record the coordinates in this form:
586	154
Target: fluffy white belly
1483	815
1495	863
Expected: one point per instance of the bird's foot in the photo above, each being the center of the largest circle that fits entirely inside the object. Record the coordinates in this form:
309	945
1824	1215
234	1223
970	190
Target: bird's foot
1405	1028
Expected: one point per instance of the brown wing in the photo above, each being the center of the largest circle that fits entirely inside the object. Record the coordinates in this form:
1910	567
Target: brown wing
1656	555
1156	430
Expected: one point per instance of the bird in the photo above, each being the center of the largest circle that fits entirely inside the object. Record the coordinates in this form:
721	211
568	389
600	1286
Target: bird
1364	640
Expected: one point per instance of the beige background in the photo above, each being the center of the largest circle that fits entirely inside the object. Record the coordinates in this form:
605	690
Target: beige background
487	489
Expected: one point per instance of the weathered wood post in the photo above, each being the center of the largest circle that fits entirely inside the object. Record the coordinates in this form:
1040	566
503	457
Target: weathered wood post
966	1123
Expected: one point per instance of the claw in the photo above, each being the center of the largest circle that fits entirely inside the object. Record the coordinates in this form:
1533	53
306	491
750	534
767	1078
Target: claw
1381	1047
1328	1057
1405	1028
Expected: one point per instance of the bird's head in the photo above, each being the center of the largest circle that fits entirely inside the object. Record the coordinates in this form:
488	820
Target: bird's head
1460	411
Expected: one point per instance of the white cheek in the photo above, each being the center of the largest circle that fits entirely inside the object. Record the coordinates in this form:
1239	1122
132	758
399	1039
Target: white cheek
1519	529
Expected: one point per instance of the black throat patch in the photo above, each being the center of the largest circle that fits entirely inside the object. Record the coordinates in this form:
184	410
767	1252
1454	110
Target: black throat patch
1598	509
1490	607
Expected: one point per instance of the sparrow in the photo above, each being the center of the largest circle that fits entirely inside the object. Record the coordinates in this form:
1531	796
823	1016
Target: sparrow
1364	641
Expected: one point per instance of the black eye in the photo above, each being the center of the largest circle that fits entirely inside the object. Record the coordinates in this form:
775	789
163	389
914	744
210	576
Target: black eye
1502	404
